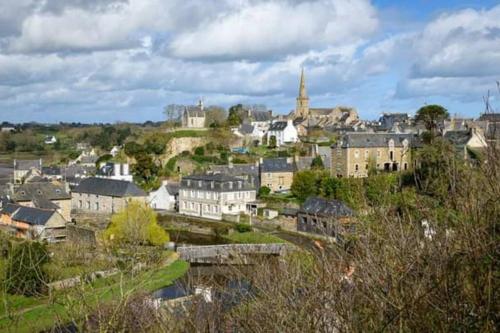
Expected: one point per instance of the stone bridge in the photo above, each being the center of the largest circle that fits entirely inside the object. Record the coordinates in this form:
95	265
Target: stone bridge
230	253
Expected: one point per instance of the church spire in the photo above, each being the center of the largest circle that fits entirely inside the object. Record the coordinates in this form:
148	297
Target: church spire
302	88
302	106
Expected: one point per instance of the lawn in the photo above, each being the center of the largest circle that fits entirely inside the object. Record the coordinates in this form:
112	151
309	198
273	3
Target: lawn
253	237
36	314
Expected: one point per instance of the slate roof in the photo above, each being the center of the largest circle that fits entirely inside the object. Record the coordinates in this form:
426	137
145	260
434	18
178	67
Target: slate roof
260	115
458	138
109	187
194	111
304	163
278	126
248	171
494	117
27	164
173	188
46	190
277	165
30	215
51	171
362	140
221	183
246	129
324	207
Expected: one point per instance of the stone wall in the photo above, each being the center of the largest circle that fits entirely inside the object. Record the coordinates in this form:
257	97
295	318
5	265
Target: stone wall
178	145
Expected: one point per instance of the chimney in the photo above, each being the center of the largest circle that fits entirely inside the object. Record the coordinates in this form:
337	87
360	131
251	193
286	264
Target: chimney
126	169
116	169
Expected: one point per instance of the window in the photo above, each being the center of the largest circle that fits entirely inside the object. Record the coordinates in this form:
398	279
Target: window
281	180
367	153
405	166
391	155
230	185
379	153
366	166
80	204
97	206
356	167
88	205
356	154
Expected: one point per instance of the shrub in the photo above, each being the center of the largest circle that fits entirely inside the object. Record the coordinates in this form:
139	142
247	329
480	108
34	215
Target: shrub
264	190
199	151
25	274
243	227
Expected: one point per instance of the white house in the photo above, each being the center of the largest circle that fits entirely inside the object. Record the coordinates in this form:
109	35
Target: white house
213	196
50	140
284	131
166	197
115	151
114	170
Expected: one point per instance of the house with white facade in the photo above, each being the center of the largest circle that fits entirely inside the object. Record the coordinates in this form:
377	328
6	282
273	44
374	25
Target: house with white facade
166	197
214	196
115	170
284	131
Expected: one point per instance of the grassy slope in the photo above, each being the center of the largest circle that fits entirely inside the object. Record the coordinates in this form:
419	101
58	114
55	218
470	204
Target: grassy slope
38	314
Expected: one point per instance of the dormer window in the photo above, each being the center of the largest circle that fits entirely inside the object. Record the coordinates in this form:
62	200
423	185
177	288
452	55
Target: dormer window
188	182
212	184
39	192
239	184
200	183
230	185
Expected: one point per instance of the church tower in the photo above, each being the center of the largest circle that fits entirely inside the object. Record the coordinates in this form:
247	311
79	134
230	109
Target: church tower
302	107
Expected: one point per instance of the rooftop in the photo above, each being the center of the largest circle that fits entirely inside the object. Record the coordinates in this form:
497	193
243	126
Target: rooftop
109	187
326	207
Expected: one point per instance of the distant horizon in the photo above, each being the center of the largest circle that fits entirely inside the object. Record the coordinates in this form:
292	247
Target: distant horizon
108	61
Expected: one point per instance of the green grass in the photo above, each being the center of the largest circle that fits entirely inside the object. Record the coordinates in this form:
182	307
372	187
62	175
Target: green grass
35	314
188	133
253	237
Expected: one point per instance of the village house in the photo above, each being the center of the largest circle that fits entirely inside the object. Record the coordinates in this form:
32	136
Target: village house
86	158
166	197
277	173
33	223
325	217
115	170
194	116
249	133
104	196
468	143
50	140
214	196
248	171
22	168
355	153
284	132
44	195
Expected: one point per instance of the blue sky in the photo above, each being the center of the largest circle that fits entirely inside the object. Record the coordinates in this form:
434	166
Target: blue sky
124	60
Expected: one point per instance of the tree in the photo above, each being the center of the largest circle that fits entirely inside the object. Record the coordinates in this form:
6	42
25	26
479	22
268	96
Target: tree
155	144
317	163
431	116
132	148
264	190
25	274
145	171
272	142
234	118
173	113
215	116
305	184
136	225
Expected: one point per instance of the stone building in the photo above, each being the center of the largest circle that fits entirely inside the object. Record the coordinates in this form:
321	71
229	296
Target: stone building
214	196
355	153
33	223
44	195
22	168
105	196
325	217
277	173
194	116
467	143
305	117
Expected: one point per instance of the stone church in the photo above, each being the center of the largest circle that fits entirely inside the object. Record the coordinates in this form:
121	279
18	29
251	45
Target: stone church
305	117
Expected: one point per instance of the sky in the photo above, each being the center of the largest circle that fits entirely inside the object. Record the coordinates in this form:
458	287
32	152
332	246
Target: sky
119	60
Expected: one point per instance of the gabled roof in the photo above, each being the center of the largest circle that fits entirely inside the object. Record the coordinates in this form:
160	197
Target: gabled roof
194	111
30	215
458	138
277	165
278	126
27	164
109	187
365	140
172	188
46	190
324	207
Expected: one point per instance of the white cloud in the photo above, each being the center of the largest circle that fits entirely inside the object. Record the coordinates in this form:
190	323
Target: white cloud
270	29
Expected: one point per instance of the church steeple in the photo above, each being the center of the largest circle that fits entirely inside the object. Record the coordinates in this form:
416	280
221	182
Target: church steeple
302	106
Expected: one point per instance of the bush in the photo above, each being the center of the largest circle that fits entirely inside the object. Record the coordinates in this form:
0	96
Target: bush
264	190
25	274
243	227
199	151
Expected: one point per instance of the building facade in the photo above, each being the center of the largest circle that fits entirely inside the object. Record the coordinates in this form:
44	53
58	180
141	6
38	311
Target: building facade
166	197
355	153
330	218
105	196
284	132
277	173
213	196
23	167
194	116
